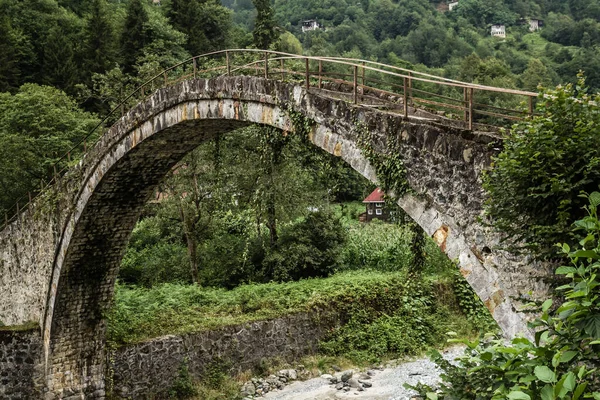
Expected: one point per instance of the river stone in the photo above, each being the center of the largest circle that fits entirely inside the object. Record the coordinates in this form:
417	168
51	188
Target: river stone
346	375
366	384
327	376
248	389
353	383
339	386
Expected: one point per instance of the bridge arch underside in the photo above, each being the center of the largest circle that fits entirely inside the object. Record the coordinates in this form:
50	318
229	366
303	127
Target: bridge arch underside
122	171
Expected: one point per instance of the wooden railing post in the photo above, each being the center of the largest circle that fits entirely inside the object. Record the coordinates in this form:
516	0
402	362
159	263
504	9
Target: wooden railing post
166	80
282	70
471	95
466	104
531	106
355	84
307	74
142	90
405	94
227	63
363	73
266	65
410	93
195	67
320	73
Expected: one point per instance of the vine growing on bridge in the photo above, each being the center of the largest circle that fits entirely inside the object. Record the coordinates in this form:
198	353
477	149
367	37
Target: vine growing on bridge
391	174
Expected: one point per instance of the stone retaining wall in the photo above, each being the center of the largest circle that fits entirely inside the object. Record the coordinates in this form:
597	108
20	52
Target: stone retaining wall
148	369
19	363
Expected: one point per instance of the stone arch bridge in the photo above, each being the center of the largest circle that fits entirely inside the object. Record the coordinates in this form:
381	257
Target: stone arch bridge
59	259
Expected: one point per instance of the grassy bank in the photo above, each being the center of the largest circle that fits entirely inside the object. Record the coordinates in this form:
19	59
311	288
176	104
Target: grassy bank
141	314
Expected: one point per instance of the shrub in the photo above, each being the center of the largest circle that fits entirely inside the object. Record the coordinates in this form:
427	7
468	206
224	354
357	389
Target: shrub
562	361
546	162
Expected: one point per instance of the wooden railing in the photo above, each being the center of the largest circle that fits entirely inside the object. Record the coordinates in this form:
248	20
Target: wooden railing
360	81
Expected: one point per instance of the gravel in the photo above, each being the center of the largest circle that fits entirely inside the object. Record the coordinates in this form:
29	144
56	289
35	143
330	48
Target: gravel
387	384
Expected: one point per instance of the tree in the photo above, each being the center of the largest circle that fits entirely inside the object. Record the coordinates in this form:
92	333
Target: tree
536	74
205	22
37	125
9	55
98	40
547	161
59	67
264	26
135	34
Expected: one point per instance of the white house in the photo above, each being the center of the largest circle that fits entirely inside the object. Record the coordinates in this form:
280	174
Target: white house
535	24
499	31
310	25
452	5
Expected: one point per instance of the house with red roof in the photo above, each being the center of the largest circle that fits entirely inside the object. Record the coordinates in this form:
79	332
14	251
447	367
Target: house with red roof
375	207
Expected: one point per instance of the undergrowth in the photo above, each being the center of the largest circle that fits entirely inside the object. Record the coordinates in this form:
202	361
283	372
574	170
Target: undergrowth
359	296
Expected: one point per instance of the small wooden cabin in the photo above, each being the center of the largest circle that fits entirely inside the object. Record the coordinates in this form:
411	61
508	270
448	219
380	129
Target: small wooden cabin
375	207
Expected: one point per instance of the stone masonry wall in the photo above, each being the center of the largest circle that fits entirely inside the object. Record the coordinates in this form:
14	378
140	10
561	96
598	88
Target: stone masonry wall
149	369
20	352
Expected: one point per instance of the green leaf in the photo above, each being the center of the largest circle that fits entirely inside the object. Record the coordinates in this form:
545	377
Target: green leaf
586	254
569	381
591	326
565	270
518	395
567	356
547	393
595	199
432	396
544	374
579	391
547	304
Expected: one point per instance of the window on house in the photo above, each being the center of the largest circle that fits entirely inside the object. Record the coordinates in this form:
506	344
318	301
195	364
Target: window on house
378	204
379	211
370	211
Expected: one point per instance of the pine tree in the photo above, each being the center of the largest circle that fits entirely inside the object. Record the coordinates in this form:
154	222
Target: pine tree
264	27
135	34
205	22
59	68
9	68
99	40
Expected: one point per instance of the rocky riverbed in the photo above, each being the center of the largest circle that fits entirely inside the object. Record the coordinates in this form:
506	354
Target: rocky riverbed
385	383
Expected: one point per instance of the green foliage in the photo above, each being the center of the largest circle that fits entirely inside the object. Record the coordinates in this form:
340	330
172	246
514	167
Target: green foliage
135	34
401	319
378	246
472	305
216	373
388	163
141	313
264	26
562	361
546	162
37	125
306	249
183	387
205	22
